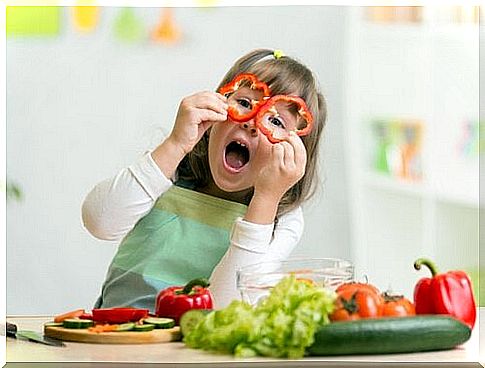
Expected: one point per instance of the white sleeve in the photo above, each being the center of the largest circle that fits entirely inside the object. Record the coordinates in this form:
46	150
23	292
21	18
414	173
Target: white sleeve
114	206
253	243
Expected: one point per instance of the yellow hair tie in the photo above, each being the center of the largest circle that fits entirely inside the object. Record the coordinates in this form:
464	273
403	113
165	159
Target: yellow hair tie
277	54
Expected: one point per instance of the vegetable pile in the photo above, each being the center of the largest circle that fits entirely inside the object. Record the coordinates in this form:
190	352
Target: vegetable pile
357	300
282	325
111	320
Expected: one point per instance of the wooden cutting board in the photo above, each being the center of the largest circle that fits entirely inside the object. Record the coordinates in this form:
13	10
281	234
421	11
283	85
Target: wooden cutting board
125	337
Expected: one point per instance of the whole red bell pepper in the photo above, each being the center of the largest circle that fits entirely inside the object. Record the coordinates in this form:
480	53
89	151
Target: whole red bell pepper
176	300
446	293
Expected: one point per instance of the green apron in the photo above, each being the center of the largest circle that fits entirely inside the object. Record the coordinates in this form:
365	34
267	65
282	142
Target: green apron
183	237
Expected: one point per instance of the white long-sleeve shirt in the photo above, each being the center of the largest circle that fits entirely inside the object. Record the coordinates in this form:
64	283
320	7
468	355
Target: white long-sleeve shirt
114	206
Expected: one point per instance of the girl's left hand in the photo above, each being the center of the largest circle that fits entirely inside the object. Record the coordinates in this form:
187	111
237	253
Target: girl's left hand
286	166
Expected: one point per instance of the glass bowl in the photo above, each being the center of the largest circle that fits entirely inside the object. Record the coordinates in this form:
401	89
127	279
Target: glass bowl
254	282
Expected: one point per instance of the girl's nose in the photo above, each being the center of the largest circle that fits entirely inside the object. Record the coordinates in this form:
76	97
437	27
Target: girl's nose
251	127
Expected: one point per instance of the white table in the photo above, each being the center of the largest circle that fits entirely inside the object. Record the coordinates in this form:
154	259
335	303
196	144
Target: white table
74	354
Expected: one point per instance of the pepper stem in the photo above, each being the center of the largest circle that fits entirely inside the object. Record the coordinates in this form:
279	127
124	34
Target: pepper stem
195	282
427	263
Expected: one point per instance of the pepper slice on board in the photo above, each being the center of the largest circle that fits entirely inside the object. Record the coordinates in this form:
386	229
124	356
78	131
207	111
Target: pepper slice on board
118	315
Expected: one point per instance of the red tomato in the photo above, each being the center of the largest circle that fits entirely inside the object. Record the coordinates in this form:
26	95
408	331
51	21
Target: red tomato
358	286
356	300
354	304
397	306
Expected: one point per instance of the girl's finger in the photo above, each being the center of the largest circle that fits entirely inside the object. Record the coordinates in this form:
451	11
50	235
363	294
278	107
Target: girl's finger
211	102
210	115
221	97
299	152
278	154
289	154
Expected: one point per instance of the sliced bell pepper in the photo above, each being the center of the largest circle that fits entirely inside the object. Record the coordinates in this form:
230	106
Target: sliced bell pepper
71	314
118	315
174	301
270	108
446	293
238	82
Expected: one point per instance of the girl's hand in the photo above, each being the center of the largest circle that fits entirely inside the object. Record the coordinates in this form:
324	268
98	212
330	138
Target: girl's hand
286	165
195	115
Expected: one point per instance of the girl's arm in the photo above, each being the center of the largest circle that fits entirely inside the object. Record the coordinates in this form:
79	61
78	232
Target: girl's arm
253	243
115	205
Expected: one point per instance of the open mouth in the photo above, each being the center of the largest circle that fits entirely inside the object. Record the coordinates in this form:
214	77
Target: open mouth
236	156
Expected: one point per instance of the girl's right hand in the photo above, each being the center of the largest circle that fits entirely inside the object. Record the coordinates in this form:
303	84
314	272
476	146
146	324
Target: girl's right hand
195	115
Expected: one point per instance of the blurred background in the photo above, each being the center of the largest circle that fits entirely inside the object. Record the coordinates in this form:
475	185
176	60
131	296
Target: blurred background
89	89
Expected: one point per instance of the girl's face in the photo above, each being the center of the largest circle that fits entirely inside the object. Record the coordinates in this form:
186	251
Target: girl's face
238	151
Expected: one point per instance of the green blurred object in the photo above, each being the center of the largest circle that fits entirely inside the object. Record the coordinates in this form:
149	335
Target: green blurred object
382	137
478	282
32	20
13	191
127	27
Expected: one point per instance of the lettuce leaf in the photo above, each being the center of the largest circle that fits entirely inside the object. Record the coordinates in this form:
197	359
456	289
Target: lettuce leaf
282	325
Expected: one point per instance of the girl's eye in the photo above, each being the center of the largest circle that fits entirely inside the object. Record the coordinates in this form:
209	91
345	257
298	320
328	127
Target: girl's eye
277	122
245	103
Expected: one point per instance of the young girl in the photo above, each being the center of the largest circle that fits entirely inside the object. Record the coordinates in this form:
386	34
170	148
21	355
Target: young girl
216	194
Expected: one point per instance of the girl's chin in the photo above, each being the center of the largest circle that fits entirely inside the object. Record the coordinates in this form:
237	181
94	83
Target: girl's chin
230	186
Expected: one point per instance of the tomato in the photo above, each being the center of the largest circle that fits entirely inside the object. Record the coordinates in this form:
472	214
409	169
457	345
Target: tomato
354	304
357	300
342	314
358	286
397	306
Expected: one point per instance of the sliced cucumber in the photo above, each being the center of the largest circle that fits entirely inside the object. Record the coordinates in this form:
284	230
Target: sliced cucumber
125	327
77	323
53	324
160	322
191	318
143	328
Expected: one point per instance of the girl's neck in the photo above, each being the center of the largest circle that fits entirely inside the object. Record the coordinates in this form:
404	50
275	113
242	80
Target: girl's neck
212	189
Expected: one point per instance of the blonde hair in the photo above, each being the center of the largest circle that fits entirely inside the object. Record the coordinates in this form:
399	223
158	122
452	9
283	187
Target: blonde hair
284	75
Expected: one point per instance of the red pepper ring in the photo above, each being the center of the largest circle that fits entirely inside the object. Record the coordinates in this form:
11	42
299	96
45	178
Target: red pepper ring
303	111
234	85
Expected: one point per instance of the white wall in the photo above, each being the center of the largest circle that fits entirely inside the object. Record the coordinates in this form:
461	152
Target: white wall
81	107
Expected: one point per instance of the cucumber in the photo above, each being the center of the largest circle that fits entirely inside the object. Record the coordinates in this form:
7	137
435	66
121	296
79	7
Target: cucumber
53	324
190	319
160	322
125	327
389	335
77	323
143	328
